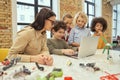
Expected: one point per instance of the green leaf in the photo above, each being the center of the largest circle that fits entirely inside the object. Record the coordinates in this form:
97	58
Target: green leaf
104	40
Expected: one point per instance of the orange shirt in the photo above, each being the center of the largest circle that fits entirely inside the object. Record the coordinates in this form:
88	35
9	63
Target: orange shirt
101	43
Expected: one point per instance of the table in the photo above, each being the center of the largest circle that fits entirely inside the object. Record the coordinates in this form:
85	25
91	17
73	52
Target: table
75	71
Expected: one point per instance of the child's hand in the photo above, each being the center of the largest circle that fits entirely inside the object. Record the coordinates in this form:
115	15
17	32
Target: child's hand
100	32
68	51
75	44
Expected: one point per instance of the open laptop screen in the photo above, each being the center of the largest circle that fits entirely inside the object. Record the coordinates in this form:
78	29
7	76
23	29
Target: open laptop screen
88	46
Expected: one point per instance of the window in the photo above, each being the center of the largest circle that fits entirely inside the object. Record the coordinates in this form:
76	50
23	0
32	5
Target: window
90	10
22	18
114	28
27	10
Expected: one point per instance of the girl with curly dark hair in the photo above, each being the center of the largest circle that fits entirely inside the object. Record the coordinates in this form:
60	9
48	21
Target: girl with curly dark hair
99	26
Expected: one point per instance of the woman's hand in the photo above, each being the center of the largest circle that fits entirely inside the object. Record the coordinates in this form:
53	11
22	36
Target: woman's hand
42	59
68	51
38	58
48	60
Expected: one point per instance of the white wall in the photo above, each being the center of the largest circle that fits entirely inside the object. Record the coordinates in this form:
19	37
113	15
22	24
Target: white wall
56	8
98	8
14	18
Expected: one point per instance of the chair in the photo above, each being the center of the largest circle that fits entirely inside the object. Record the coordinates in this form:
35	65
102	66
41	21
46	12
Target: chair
3	53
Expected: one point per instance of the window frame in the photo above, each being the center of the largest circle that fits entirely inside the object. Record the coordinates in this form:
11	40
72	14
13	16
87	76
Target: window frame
36	6
88	14
115	20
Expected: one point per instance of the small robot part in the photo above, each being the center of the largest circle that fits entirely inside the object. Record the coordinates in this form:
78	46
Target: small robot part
54	74
10	63
1	73
39	67
89	66
69	63
109	76
6	62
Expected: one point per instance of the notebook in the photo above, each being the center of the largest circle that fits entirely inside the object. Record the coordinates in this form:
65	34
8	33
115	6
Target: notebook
88	47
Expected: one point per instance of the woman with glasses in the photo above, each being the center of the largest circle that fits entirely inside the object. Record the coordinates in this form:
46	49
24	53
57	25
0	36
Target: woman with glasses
30	44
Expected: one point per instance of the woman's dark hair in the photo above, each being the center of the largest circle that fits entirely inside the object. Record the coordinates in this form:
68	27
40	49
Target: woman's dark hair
39	22
59	25
100	20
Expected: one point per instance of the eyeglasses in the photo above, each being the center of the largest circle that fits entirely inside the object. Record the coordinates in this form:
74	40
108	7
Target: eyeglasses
51	21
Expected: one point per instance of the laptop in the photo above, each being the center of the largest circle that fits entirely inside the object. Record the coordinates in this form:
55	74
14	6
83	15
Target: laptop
88	47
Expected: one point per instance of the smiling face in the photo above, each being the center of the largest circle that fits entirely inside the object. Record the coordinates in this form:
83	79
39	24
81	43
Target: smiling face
59	34
49	23
80	22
